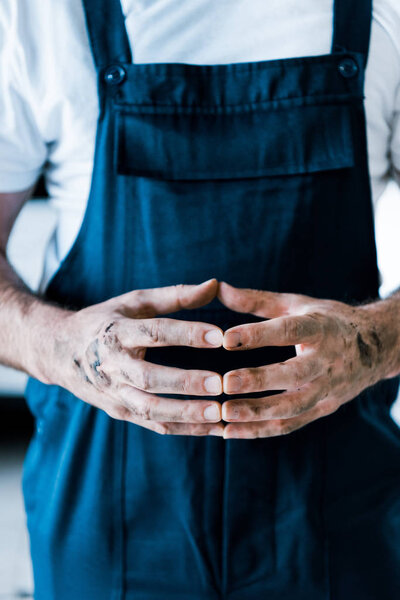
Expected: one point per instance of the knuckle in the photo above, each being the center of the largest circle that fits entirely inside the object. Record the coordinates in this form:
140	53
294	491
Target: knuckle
142	379
144	309
305	403
285	410
104	379
119	412
296	329
98	366
179	293
258	377
151	330
321	325
198	429
298	408
184	384
191	335
325	393
155	331
162	428
109	333
141	408
255	335
298	377
187	411
303	373
292	329
111	412
144	410
313	368
249	377
330	325
285	428
255	301
331	408
142	303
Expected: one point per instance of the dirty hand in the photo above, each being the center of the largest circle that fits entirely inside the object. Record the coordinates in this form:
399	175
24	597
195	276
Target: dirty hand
100	358
341	350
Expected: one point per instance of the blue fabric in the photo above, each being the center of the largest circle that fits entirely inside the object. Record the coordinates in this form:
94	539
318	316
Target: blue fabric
254	173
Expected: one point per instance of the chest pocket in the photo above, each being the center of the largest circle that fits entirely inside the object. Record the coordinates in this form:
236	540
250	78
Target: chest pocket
207	143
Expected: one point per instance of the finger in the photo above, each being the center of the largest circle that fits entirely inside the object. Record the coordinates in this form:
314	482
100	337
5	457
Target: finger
193	429
121	408
164	300
292	373
275	428
279	406
196	429
159	332
259	302
282	331
149	407
159	379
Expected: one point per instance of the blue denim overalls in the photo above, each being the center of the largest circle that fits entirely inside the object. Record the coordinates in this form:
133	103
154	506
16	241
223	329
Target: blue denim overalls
254	173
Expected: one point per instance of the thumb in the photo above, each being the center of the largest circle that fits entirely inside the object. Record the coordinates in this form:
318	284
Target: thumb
164	300
255	302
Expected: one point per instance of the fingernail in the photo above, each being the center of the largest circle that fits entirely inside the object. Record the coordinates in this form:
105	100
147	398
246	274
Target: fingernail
232	340
214	337
213	384
216	431
211	413
232	384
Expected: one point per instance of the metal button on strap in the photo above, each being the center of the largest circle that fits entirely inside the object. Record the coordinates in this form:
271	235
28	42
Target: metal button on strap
114	75
348	68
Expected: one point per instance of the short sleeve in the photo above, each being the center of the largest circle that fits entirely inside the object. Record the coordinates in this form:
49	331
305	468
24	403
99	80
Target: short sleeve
22	149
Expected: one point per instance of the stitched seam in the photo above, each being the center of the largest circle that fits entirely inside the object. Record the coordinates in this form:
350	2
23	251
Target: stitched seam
312	100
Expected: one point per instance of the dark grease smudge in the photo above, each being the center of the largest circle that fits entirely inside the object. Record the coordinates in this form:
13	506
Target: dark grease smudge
376	340
365	352
82	371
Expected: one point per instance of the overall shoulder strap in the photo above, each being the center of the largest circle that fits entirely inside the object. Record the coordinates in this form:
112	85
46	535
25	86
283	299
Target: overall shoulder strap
107	33
352	26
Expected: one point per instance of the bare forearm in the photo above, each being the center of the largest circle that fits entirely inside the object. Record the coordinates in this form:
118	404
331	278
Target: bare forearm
28	325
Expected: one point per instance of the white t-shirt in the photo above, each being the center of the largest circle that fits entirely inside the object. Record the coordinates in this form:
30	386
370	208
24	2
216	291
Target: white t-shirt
48	95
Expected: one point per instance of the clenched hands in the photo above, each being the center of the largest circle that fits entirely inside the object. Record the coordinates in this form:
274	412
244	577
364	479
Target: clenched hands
340	351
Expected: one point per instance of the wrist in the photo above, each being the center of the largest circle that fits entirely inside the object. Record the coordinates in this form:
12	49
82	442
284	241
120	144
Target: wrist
383	322
48	340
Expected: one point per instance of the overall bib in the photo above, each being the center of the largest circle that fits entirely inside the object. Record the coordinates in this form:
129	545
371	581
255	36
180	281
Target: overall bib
256	174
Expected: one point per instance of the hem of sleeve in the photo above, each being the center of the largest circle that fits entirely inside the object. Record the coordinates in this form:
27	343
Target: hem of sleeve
18	182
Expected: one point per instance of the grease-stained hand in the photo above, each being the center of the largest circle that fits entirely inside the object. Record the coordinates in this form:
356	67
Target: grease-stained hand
340	351
99	356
